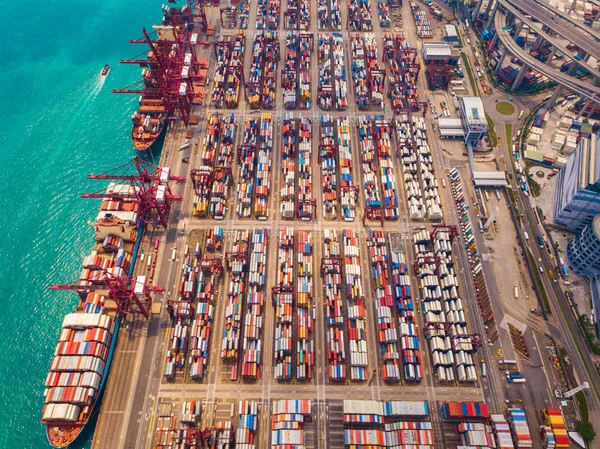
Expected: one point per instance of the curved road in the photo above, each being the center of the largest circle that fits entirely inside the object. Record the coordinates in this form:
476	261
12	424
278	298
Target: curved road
555	42
544	16
586	89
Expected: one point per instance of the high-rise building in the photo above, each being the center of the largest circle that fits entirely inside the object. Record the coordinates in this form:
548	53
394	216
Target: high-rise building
583	252
578	187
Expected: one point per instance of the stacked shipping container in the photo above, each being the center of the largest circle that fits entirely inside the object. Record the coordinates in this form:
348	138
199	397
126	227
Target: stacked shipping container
328	150
267	14
348	190
305	307
357	325
262	81
331	272
283	302
237	264
359	15
385	316
263	167
227	80
296	77
329	15
253	318
288	419
246	155
333	86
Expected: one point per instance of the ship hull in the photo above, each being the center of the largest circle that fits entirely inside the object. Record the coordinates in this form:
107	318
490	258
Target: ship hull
147	144
63	435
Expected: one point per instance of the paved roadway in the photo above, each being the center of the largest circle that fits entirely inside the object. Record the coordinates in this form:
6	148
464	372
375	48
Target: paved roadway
563	327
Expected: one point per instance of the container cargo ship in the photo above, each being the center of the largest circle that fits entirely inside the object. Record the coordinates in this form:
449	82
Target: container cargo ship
148	123
83	355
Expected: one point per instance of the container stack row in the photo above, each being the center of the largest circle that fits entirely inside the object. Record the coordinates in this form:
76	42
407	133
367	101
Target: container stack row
424	30
369	168
424	161
305	307
409	341
211	199
283	303
359	15
475	435
246	154
355	303
333	85
289	417
223	178
470	410
348	189
403	71
384	14
519	428
267	14
253	317
262	81
329	15
178	428
385	314
246	433
181	310
331	273
389	188
328	160
237	264
306	202
264	160
393	424
228	73
297	16
359	72
376	76
406	151
501	432
287	193
296	77
438	294
554	431
209	279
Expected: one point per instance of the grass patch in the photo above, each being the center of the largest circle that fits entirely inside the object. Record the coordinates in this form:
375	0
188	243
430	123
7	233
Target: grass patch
534	185
505	108
491	131
508	132
583	406
467	67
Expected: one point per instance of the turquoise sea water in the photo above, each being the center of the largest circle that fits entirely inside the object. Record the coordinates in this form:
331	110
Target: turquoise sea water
59	123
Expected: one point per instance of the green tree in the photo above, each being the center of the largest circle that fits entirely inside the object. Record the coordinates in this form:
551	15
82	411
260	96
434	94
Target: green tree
586	430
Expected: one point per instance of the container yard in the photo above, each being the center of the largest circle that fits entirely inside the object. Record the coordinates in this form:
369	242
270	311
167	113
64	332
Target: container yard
344	357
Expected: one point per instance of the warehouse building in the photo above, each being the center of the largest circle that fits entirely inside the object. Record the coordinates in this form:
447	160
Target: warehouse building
577	199
439	52
473	120
451	35
451	128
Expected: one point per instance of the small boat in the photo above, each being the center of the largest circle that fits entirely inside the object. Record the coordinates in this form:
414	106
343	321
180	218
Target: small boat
105	70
